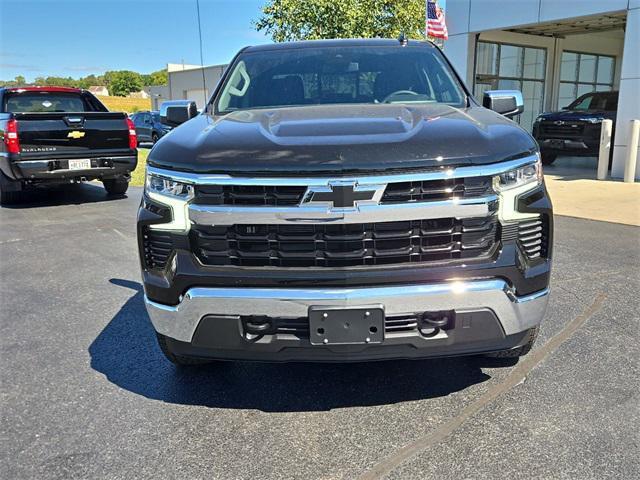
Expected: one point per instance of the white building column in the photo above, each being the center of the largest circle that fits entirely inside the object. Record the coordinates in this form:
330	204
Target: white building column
629	99
460	51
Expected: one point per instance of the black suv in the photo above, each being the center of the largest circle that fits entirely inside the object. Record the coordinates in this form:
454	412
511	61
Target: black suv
148	127
345	200
576	129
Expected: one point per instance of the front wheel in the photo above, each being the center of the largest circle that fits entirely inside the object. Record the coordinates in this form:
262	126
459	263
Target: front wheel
154	138
548	158
116	186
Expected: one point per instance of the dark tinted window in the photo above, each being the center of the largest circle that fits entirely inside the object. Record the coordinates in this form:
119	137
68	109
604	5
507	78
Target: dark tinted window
156	117
45	102
339	75
596	101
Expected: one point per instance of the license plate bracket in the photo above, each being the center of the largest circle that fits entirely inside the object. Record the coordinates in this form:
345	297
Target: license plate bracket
80	164
346	326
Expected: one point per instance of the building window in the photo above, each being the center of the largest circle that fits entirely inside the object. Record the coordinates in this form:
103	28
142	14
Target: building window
582	73
512	67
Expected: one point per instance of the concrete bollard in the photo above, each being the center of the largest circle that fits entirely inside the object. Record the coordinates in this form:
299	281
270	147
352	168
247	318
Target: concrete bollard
605	149
632	151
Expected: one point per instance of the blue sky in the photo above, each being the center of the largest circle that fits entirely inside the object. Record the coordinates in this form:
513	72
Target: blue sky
75	38
79	37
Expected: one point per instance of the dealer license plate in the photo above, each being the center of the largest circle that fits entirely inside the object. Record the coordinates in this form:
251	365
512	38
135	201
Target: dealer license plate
82	164
346	326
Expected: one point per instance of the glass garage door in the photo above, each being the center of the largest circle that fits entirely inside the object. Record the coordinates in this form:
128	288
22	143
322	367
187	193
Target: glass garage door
512	67
582	73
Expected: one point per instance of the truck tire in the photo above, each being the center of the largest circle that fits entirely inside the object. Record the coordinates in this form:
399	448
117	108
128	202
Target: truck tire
548	158
179	360
8	198
518	351
116	186
9	194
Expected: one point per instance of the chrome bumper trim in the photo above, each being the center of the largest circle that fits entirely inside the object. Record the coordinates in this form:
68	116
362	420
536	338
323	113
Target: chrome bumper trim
516	314
226	215
65	159
442	174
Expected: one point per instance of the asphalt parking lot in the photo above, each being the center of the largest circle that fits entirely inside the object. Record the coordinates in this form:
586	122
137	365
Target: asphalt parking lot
86	393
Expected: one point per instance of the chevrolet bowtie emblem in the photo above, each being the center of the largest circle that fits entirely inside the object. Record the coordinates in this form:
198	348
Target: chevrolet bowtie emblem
341	195
75	134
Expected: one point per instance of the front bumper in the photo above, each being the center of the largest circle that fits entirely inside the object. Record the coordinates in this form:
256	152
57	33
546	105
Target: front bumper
488	317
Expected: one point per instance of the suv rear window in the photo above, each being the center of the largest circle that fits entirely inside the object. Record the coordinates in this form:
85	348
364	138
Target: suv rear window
36	102
339	75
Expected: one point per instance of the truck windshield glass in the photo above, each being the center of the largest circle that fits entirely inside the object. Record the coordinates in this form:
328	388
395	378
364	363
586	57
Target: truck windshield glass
45	102
595	101
344	75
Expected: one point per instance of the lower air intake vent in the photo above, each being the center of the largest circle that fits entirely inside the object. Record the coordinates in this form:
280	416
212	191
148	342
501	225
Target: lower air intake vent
532	238
157	248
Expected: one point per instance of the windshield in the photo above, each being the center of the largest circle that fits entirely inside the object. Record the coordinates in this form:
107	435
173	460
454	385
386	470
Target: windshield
339	75
596	101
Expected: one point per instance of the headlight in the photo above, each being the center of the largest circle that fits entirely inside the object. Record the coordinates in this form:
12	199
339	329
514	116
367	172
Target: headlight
168	187
592	120
531	173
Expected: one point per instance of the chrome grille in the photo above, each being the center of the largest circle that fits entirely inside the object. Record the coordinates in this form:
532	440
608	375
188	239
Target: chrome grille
561	131
395	192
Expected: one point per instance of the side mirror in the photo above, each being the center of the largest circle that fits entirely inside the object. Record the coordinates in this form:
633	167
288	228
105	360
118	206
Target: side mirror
174	115
505	102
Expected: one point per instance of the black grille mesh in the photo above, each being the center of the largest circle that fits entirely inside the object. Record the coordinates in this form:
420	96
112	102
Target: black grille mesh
397	323
562	131
319	245
434	190
241	195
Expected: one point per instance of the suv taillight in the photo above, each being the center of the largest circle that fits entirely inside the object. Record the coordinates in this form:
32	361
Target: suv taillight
133	139
11	139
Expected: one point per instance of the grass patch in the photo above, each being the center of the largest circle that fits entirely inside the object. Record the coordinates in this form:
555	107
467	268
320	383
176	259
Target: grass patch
126	104
137	176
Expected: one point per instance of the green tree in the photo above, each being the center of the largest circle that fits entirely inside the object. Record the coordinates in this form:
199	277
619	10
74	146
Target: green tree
286	20
159	77
20	80
123	82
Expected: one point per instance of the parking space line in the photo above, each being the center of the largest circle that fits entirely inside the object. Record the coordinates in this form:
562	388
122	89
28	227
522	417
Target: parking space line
517	376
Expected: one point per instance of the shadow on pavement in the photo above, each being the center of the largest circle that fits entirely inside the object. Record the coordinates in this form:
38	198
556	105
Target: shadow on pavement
127	354
72	194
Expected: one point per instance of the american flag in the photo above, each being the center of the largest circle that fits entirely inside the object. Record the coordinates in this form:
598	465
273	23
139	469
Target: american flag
435	21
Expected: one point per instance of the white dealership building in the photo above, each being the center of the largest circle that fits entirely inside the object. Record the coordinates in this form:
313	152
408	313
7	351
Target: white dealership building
552	50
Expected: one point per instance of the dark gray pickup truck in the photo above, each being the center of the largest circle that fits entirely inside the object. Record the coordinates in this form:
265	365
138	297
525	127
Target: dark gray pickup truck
53	135
345	201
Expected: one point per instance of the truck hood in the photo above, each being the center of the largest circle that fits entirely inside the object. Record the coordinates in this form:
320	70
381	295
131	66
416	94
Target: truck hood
340	139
